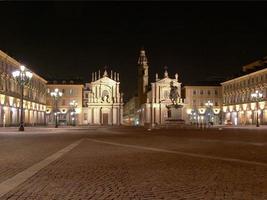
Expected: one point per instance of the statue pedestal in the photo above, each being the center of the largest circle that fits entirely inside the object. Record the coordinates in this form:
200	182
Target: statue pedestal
175	114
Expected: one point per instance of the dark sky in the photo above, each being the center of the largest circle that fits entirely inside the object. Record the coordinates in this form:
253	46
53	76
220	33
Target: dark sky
198	40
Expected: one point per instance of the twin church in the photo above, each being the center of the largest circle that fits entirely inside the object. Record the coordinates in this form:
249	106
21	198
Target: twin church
102	102
152	106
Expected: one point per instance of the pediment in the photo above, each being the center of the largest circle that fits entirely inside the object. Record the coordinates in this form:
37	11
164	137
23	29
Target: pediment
166	81
105	80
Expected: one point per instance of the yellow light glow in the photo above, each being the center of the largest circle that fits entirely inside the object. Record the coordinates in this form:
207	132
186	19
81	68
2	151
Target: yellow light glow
224	108
2	99
262	105
237	107
78	110
245	106
253	106
63	110
249	112
188	111
11	100
216	111
201	110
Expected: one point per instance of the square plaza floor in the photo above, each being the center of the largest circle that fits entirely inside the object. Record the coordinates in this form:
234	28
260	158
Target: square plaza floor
133	163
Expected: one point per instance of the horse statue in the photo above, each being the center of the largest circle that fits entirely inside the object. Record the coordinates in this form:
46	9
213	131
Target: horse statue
174	94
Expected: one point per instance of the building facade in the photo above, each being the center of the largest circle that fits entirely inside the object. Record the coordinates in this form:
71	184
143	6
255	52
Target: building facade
68	114
159	109
203	104
104	103
153	106
239	106
130	116
10	93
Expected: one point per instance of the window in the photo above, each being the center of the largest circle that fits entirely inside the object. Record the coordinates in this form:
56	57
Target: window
63	91
194	92
208	92
71	91
216	92
86	95
201	92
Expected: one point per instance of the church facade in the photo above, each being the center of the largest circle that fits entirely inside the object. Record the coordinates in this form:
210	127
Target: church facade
159	108
104	102
159	103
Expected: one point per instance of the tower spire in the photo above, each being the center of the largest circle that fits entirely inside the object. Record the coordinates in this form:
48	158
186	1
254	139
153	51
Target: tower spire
142	60
142	76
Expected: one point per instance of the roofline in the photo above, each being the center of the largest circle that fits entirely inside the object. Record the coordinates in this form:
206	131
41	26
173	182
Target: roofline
244	76
17	64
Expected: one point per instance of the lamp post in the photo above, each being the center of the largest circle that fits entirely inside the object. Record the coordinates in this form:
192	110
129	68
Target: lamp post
73	105
257	96
209	105
56	95
23	77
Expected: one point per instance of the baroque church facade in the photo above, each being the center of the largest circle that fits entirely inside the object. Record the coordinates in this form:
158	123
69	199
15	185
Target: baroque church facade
104	102
155	106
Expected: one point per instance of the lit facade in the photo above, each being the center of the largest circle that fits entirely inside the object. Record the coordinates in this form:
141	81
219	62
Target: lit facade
71	92
155	111
130	116
152	106
203	104
238	105
34	96
104	102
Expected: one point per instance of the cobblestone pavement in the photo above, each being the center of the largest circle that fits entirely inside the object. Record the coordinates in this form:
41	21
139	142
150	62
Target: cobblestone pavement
134	163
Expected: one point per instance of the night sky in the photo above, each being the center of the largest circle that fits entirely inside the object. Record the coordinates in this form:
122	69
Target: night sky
200	41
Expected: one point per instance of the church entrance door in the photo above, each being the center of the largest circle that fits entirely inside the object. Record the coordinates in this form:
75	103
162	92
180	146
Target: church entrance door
105	118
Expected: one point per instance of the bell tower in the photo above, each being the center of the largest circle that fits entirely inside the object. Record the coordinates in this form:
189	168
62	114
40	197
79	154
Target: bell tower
142	76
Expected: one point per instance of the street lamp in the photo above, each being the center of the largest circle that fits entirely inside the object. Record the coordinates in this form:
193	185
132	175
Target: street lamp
23	77
56	95
73	105
209	105
257	96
